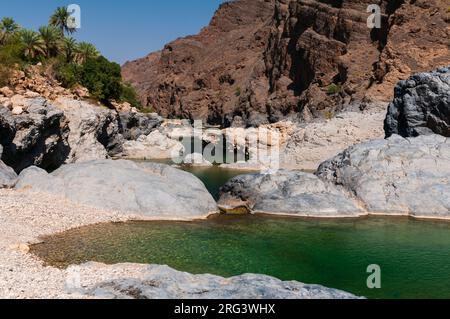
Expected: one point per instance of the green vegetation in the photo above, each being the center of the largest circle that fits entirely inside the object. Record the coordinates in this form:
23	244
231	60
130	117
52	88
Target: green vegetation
5	69
333	89
86	51
60	19
8	27
9	60
102	78
328	115
238	91
72	63
129	94
67	73
70	49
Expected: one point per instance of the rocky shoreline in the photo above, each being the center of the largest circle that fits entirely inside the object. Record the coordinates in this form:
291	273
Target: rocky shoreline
394	177
402	175
407	175
24	276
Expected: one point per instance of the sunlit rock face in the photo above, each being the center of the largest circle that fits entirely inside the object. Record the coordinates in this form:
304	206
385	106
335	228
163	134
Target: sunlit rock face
133	281
396	176
261	61
147	190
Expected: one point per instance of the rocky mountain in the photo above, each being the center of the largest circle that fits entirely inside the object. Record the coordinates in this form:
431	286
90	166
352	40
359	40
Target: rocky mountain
262	60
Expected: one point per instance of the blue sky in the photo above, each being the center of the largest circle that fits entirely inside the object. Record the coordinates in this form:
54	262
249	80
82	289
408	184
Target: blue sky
121	29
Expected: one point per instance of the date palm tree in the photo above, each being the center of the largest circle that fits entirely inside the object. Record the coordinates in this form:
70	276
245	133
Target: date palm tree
60	19
69	49
86	51
52	40
8	27
33	46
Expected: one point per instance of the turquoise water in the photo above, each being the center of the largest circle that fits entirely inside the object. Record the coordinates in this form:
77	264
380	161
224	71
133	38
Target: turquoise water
414	256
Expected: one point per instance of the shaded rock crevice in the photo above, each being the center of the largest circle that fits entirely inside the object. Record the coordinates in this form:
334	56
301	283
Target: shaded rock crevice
38	137
66	130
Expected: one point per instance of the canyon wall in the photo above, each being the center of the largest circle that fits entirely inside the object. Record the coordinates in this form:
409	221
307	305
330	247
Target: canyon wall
260	61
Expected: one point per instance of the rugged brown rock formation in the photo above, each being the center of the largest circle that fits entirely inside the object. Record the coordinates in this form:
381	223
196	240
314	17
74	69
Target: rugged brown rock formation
205	76
261	60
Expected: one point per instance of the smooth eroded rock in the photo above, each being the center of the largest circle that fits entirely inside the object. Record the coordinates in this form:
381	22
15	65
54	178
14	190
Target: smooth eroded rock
396	176
147	189
287	193
132	281
156	145
196	159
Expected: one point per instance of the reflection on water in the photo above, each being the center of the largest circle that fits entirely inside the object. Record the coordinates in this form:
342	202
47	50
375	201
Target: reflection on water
213	177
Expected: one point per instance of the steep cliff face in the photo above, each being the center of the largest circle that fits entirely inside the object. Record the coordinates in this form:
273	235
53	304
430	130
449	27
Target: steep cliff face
262	60
203	76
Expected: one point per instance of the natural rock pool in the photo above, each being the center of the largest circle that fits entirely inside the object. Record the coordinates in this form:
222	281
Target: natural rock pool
414	256
214	177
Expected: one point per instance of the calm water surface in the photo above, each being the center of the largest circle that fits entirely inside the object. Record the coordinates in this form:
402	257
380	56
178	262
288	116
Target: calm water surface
414	255
213	177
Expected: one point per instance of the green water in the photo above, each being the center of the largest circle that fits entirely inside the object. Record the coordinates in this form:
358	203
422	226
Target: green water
414	256
214	177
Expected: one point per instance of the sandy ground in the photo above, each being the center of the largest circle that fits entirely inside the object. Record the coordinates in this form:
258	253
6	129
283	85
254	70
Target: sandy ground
23	218
317	142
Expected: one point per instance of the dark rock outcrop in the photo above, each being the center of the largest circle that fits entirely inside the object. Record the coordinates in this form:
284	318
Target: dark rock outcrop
67	131
421	106
7	175
262	60
38	137
133	125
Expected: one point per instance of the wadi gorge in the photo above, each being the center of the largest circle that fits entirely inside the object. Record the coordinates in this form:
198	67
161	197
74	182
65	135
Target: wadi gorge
48	135
358	120
262	61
